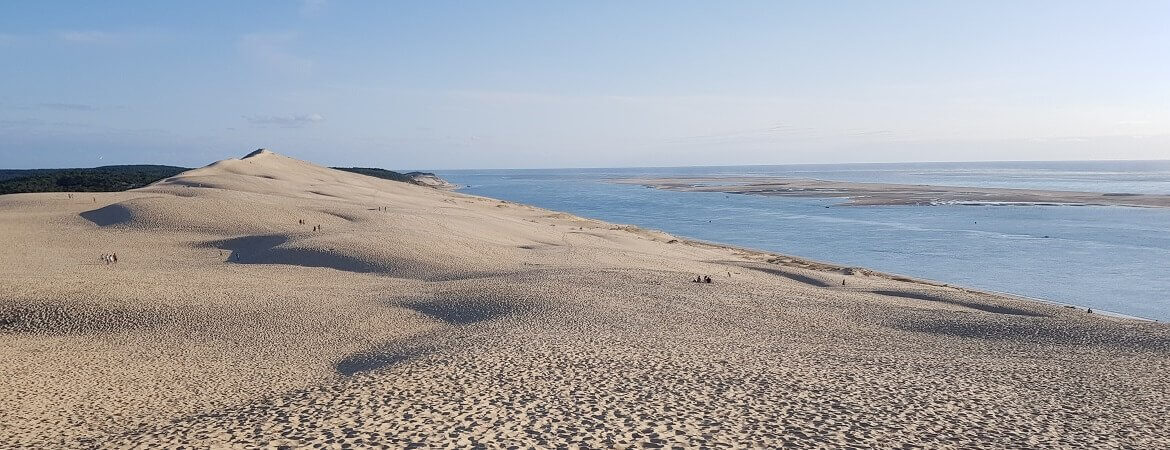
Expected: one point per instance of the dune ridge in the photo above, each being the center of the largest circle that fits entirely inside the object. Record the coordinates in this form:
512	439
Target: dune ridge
268	301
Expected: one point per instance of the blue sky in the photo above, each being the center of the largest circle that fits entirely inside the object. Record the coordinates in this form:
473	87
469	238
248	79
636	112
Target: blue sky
582	84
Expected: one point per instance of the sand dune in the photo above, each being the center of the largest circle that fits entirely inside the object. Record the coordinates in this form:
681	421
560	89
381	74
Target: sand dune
416	316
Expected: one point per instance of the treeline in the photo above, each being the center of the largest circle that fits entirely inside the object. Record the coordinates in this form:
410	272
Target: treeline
97	179
121	178
408	177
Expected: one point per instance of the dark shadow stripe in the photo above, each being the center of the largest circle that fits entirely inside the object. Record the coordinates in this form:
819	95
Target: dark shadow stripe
973	305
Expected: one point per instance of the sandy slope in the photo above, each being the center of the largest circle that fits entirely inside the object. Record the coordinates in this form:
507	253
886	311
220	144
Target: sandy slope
418	316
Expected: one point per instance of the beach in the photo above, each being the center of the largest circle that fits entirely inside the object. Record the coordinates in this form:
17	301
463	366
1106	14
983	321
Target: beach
268	301
876	194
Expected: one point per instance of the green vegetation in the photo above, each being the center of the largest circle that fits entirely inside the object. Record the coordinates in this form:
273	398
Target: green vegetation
121	178
378	173
385	174
97	179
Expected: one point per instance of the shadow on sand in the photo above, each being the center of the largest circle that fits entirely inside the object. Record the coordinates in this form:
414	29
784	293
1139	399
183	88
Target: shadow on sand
462	311
108	215
74	318
791	276
373	360
973	305
268	249
456	310
1042	331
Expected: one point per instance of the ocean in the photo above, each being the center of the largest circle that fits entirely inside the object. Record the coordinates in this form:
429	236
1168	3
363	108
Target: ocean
1103	257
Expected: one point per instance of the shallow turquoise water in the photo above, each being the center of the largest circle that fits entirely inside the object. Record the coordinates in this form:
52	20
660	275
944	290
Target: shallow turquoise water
1109	258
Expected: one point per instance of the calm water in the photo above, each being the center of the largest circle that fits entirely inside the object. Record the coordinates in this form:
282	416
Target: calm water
1109	258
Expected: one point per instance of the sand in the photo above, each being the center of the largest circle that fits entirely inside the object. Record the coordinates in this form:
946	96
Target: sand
872	194
420	317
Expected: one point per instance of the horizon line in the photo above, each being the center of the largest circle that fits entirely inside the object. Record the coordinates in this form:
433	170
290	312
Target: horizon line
659	167
1167	160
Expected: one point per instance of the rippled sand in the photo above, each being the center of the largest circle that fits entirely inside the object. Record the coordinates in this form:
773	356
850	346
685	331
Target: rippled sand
428	318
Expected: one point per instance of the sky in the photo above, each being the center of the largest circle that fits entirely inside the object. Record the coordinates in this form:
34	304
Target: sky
529	84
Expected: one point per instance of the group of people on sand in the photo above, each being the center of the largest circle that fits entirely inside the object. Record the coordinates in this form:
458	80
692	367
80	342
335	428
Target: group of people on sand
110	258
701	279
315	227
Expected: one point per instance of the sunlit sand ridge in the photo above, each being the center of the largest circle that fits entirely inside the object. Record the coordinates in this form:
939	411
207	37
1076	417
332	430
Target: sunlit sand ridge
270	301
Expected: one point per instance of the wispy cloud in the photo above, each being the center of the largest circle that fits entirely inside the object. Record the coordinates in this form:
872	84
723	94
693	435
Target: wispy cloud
53	106
310	8
34	124
83	37
86	37
288	121
271	50
66	106
782	132
776	131
1061	139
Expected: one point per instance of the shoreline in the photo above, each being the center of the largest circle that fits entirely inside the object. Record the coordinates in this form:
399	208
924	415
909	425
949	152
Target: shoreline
889	194
826	266
830	267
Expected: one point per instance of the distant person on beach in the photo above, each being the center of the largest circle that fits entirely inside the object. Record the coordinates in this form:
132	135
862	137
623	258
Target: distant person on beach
707	279
114	257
